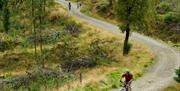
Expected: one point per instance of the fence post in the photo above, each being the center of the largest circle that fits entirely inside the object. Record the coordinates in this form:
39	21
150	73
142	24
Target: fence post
80	77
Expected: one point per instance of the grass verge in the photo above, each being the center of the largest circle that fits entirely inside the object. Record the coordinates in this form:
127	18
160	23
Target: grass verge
173	87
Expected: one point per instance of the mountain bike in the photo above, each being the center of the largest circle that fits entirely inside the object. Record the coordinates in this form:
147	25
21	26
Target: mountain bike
126	87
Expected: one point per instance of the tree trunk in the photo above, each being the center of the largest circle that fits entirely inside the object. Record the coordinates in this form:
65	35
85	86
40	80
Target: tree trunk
43	22
6	16
34	30
40	29
126	46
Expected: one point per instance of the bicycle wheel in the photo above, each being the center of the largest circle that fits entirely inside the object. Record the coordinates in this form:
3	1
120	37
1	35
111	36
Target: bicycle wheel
123	89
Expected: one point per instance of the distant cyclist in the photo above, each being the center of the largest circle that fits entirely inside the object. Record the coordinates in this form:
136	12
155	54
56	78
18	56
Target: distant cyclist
69	5
128	79
79	3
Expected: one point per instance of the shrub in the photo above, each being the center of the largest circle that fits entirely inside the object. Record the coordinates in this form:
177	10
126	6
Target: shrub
170	17
96	50
14	61
47	37
102	7
6	16
177	78
6	45
163	8
73	28
178	16
66	51
74	55
57	15
100	52
71	55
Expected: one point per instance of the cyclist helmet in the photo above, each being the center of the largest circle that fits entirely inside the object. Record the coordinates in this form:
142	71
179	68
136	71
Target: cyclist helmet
127	71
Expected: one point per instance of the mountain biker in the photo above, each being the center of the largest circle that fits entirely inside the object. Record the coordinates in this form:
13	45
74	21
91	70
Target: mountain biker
128	78
79	3
69	5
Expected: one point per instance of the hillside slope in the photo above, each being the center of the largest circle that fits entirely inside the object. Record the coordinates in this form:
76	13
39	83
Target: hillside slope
160	75
69	47
165	27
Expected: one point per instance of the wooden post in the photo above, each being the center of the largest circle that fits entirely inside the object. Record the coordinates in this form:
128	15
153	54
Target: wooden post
80	77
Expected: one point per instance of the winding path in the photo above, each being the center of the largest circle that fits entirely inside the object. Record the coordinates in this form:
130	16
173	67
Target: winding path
161	73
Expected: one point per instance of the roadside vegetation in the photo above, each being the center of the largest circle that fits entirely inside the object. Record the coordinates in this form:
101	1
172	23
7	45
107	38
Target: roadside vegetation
176	85
173	87
39	53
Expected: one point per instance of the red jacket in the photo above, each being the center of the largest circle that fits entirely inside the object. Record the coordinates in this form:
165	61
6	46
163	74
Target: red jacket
128	77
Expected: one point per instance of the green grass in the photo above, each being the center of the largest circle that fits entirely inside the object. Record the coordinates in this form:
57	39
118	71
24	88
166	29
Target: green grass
173	87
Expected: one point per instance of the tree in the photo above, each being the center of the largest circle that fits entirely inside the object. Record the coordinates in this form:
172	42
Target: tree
34	28
38	21
5	13
42	10
6	16
112	3
1	4
132	14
